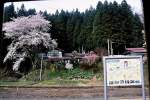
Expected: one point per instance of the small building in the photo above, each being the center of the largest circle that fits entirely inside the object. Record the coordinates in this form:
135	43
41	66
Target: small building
54	53
136	51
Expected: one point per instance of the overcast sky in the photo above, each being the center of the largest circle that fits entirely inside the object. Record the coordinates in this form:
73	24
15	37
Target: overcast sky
52	5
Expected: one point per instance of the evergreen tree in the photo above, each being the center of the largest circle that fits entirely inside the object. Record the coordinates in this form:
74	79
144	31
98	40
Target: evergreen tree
60	29
9	12
137	32
22	11
76	31
86	29
100	25
92	28
126	25
31	12
73	28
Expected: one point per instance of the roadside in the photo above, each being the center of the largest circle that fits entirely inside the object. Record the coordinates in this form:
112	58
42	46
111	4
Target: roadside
78	98
69	93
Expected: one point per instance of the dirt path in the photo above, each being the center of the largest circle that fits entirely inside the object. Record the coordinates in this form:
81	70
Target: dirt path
67	92
73	98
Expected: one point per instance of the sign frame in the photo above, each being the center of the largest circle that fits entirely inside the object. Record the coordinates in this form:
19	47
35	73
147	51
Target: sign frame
122	57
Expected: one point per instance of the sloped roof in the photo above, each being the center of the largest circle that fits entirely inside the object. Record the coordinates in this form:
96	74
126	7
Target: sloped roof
138	50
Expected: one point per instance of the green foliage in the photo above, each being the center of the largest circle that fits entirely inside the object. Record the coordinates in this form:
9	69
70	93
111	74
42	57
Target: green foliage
80	71
16	83
9	12
95	67
31	12
59	82
22	11
90	29
137	32
32	76
77	73
85	37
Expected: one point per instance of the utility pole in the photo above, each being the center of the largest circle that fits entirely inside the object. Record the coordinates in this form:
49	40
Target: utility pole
41	68
111	49
108	47
144	38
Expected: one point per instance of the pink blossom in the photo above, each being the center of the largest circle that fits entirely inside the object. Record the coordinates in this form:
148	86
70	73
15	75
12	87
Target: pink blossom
26	32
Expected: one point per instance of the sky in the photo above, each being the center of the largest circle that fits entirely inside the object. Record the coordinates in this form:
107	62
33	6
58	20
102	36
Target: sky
52	5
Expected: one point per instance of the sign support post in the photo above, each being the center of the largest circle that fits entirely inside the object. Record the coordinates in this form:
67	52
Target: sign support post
142	77
105	81
41	68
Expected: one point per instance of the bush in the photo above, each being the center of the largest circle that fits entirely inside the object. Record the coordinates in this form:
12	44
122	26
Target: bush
32	76
58	71
77	73
95	67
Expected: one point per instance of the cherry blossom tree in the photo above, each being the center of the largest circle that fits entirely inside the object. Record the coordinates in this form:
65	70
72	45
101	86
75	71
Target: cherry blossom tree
28	34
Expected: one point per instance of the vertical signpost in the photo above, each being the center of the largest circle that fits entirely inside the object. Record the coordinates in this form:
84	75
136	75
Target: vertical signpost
123	71
41	68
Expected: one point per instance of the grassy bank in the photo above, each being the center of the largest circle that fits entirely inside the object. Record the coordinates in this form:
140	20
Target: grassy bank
74	77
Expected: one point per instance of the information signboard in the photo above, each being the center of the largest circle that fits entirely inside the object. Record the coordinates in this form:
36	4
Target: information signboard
123	71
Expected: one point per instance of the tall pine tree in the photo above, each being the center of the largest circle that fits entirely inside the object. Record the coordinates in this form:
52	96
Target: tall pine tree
9	12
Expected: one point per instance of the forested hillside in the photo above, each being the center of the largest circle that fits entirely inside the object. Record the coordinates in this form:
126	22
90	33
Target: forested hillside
89	30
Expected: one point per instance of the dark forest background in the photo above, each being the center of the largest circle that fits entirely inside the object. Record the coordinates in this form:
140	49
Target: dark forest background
89	30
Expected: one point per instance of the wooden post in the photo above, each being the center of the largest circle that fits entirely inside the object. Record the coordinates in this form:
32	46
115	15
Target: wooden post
108	47
111	48
41	68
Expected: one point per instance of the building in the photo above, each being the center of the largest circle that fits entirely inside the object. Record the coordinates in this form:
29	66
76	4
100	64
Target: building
54	53
136	51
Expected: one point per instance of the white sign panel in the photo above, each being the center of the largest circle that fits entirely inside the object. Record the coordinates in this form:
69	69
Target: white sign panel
123	71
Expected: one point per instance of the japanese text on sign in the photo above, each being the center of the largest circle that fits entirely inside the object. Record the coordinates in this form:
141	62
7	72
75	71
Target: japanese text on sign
123	72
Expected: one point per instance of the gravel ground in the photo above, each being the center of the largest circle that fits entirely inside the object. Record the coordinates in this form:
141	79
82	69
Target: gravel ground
73	98
72	93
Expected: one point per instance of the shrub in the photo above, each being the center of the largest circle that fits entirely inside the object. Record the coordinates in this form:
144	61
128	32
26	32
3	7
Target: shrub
95	67
32	76
77	73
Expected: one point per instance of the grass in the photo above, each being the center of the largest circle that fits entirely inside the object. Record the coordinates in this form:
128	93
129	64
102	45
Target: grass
55	82
16	83
75	77
75	73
